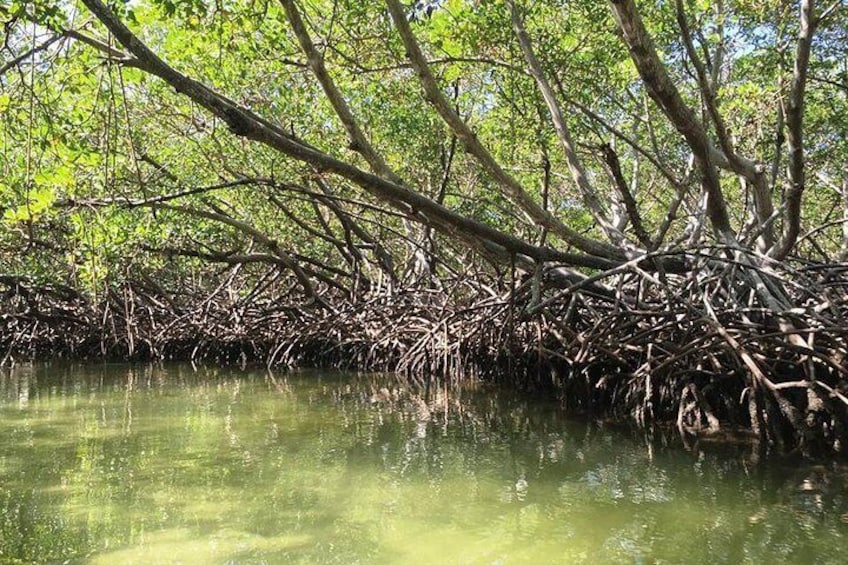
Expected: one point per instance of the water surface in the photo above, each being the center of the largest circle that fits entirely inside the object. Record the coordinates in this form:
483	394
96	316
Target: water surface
122	464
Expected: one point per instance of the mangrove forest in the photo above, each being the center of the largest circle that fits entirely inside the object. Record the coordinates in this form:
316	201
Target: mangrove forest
636	208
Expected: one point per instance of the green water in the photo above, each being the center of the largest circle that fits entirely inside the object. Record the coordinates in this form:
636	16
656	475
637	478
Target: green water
167	465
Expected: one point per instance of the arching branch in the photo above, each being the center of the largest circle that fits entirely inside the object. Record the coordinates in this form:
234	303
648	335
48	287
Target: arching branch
245	123
665	94
455	122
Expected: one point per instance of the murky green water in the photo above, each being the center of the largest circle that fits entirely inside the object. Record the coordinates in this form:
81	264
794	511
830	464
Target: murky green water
145	465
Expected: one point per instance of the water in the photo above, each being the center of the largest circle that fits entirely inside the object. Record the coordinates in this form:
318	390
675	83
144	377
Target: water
115	464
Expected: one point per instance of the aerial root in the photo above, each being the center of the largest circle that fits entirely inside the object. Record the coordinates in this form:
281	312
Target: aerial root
698	350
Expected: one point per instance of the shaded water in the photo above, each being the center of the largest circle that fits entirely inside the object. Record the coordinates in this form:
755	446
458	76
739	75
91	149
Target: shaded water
115	464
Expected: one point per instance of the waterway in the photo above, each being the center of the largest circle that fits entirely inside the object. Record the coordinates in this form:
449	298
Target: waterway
171	464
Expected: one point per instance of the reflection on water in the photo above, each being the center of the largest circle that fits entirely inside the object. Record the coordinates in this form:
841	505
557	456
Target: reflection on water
118	464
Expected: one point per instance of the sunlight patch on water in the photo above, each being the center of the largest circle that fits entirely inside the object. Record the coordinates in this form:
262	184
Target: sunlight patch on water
181	546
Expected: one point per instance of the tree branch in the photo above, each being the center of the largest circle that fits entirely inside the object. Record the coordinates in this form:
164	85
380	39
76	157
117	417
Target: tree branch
29	53
245	123
513	189
664	93
630	206
795	130
751	171
575	166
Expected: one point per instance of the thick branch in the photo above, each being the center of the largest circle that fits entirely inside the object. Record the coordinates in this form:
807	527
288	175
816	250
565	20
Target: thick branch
244	258
664	93
751	171
630	206
245	123
358	141
513	189
575	166
795	129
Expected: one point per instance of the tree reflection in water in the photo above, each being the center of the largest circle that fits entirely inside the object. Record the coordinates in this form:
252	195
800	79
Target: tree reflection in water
138	464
